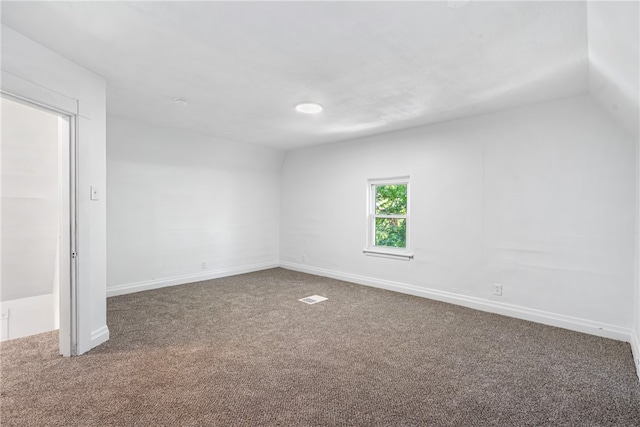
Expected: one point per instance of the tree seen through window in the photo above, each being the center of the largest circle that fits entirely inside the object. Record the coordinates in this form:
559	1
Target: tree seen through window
391	215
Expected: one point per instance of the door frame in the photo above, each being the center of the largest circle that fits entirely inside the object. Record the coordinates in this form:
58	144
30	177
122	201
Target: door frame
40	98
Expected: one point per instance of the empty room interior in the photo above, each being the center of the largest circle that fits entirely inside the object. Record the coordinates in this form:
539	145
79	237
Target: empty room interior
320	213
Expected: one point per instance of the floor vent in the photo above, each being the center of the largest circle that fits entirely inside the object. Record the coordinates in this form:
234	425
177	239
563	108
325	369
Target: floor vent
313	299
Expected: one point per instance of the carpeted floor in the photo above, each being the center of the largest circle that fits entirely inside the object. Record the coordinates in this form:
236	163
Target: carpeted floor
243	351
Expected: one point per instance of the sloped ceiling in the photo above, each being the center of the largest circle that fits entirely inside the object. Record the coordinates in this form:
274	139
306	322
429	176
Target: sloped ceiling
374	66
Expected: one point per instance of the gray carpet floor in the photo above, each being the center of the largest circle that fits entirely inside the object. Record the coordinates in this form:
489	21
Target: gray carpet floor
243	351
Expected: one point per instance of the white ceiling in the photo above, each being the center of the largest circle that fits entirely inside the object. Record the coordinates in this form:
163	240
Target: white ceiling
374	66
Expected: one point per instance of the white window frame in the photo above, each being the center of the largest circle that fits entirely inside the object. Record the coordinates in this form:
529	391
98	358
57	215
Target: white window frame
386	251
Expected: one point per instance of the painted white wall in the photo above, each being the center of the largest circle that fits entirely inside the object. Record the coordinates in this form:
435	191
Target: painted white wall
20	320
178	199
614	59
540	199
31	143
30	200
27	316
614	67
635	338
27	65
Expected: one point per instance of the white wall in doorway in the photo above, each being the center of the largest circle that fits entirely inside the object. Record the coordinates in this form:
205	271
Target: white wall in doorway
28	316
30	200
31	214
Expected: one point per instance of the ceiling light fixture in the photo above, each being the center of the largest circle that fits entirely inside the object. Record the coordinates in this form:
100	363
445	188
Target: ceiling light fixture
308	108
183	102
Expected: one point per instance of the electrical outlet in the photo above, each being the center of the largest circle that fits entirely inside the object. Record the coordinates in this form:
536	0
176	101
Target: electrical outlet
304	259
497	289
203	265
5	314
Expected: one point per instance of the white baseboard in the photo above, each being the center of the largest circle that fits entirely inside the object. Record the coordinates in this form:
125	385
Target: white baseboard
635	350
534	315
99	336
96	338
146	285
525	313
28	316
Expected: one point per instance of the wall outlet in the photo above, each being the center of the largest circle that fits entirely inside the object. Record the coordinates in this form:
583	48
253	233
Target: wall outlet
203	265
304	259
5	314
497	289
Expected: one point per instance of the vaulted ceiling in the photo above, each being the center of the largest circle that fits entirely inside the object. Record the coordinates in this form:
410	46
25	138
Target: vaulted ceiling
374	66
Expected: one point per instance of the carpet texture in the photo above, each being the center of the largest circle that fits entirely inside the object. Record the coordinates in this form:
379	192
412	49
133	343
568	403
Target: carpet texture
243	351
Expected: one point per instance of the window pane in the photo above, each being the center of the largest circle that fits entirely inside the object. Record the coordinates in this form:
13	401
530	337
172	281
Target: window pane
391	199
391	232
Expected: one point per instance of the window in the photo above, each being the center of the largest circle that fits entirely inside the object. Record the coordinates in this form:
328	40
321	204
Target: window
388	218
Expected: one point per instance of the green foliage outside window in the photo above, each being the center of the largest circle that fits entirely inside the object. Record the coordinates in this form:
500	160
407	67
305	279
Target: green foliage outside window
391	200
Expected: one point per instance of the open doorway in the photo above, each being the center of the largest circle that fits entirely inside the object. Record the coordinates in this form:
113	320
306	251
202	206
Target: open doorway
36	227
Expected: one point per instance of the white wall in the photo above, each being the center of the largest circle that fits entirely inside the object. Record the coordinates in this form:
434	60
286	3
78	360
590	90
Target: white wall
178	199
31	144
614	69
27	316
635	339
30	200
540	199
36	72
614	59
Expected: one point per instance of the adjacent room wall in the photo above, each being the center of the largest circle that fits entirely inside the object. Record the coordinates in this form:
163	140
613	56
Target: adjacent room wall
31	69
30	219
540	199
178	200
30	201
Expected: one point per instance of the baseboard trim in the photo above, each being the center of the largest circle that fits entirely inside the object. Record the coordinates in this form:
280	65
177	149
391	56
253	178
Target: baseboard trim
534	315
99	336
547	318
635	350
146	285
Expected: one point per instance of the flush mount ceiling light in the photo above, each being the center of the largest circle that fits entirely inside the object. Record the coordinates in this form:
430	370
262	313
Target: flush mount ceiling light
308	108
182	102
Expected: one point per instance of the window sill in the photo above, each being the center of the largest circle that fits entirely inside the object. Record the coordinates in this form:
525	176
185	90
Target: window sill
405	256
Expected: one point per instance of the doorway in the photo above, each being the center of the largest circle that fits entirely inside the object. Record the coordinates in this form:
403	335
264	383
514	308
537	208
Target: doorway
37	232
